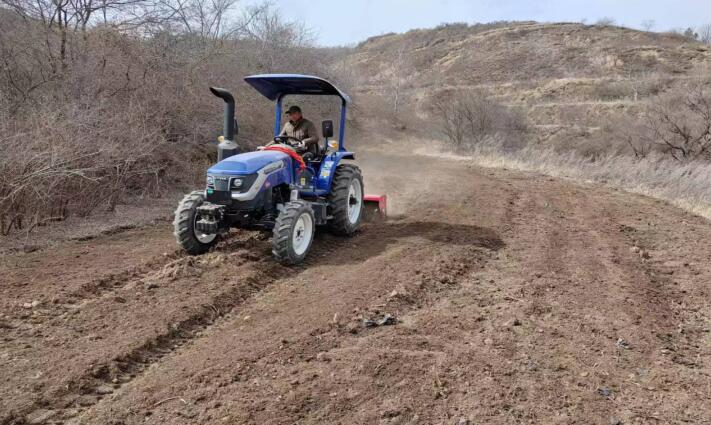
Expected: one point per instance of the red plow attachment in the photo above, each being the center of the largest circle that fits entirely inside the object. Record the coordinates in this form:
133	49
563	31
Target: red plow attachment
375	206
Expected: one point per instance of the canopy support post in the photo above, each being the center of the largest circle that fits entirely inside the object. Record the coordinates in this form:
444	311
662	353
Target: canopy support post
342	126
277	120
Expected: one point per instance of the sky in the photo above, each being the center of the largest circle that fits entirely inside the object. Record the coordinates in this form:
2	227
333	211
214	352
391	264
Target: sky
337	22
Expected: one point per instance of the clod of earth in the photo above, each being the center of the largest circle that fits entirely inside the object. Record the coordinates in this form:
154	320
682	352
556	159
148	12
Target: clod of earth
30	305
621	343
386	320
605	392
104	390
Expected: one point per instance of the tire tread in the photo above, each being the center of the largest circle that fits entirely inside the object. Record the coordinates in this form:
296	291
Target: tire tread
281	233
182	224
338	200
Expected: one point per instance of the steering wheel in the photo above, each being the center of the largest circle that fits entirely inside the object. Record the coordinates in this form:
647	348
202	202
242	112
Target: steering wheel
287	140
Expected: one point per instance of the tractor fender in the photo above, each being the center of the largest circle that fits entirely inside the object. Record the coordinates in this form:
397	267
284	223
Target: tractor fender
348	161
324	178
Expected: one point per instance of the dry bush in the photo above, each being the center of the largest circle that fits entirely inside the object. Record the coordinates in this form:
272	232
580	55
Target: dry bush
705	33
467	118
681	124
676	124
612	90
93	113
605	21
684	185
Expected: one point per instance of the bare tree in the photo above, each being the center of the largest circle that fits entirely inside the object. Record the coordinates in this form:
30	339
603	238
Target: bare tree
649	24
689	32
275	39
65	17
452	122
400	73
205	19
605	21
705	33
103	100
468	118
681	126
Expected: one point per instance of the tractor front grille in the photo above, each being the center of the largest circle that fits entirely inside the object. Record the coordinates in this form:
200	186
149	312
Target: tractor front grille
221	183
225	183
221	197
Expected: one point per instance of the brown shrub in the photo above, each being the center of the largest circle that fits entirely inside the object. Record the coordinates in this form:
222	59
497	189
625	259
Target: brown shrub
90	117
467	118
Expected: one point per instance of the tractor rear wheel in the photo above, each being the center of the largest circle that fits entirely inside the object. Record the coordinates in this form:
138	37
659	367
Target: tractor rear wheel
346	200
193	242
293	232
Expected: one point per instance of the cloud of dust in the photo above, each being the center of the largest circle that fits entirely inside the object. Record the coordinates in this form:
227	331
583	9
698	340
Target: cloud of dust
396	170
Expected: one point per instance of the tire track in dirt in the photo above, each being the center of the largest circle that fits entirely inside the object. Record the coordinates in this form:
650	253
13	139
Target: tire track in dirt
591	304
113	282
106	378
88	387
82	391
441	255
79	267
125	365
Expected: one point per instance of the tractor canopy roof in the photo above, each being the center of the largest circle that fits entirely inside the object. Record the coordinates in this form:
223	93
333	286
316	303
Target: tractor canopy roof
274	86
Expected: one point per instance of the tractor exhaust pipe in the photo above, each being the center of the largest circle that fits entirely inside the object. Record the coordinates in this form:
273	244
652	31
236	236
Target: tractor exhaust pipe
227	146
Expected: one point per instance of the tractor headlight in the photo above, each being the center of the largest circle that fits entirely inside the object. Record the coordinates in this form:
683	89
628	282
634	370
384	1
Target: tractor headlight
237	183
210	181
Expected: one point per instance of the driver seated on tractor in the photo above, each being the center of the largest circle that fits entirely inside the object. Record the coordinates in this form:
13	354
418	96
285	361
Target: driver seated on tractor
302	130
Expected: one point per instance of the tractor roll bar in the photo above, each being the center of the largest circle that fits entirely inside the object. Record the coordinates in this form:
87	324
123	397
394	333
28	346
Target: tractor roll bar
275	86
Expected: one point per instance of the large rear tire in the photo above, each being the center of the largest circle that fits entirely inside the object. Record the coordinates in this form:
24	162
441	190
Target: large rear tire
346	200
293	232
192	241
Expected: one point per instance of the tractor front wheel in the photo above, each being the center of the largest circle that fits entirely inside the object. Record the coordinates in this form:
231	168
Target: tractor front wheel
293	232
193	241
346	200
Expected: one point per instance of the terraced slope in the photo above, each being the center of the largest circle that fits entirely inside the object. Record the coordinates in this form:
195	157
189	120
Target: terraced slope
569	78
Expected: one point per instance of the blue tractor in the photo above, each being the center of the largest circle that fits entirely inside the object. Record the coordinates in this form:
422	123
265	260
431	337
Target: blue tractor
274	188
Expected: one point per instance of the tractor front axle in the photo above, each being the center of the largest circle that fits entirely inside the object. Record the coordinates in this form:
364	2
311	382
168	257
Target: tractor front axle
211	216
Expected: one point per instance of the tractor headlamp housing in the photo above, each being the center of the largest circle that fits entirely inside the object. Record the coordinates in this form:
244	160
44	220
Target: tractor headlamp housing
237	183
210	181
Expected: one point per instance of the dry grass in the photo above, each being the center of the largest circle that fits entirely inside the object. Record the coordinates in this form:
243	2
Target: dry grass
685	185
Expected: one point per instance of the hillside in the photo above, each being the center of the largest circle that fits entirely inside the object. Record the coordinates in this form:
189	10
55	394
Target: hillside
567	78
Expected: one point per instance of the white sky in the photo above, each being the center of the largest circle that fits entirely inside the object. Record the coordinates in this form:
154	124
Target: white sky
338	22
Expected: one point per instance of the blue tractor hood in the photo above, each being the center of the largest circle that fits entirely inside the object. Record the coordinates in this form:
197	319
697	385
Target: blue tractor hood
246	163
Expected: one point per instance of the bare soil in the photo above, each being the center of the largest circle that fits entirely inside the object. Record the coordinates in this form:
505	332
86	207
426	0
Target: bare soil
517	299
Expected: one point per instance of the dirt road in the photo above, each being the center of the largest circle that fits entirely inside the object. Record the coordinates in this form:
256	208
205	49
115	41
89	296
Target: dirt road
517	298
